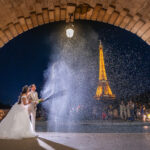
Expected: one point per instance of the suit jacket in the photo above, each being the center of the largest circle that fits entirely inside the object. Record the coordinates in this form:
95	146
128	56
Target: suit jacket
33	96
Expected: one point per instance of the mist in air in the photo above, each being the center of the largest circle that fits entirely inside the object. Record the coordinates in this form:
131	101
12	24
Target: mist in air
31	57
72	71
73	68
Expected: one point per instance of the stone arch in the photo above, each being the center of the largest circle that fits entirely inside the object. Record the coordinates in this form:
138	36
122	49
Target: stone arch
18	16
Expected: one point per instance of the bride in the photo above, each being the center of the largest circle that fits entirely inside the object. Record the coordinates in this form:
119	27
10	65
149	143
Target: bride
16	124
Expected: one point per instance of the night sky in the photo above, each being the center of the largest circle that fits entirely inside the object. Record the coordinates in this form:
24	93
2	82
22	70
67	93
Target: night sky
25	59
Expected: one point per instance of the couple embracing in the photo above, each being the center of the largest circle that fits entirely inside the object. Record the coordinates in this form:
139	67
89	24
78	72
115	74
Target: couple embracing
20	121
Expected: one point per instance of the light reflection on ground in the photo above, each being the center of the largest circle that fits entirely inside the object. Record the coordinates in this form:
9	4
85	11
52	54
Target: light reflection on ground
96	127
80	141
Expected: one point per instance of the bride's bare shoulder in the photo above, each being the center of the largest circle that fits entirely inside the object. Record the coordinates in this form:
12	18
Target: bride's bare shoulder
24	99
23	95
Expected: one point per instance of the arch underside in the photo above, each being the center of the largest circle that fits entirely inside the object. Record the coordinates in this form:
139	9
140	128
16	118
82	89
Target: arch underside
18	16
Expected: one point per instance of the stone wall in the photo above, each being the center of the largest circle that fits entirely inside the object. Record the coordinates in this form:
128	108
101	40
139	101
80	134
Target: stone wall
18	16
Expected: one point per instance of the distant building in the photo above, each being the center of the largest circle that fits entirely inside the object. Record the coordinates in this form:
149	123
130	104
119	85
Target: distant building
3	113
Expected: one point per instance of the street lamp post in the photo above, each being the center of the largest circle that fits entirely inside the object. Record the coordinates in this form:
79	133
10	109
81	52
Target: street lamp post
70	29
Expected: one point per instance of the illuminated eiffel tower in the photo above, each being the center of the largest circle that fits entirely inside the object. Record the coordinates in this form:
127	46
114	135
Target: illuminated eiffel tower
103	90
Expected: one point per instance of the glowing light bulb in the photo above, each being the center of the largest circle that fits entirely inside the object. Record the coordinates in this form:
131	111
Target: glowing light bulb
69	32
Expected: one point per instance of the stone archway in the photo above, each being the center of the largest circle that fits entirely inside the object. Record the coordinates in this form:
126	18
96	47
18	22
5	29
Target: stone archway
18	16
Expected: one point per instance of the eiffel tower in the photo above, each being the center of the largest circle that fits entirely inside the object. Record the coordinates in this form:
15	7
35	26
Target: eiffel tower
103	91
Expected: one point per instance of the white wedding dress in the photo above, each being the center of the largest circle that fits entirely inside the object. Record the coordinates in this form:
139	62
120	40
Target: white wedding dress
16	124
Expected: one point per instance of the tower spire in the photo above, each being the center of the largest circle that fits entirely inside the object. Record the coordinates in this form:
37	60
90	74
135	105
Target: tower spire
103	89
100	43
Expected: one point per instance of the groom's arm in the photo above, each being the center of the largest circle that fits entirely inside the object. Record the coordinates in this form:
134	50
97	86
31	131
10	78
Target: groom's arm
37	99
32	99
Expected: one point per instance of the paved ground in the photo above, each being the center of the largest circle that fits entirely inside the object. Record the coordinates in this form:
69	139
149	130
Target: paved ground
80	141
102	122
94	127
87	135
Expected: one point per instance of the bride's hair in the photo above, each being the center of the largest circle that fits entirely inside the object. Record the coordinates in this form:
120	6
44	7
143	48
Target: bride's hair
24	91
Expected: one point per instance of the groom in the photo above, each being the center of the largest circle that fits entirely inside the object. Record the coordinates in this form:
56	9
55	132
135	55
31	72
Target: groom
33	96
